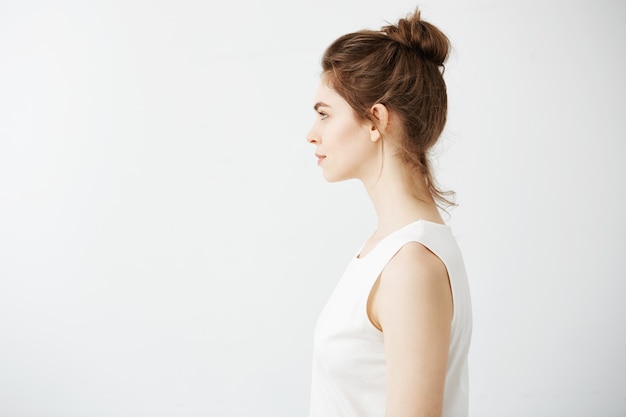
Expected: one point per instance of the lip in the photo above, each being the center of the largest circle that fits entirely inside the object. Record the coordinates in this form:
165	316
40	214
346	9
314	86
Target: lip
320	158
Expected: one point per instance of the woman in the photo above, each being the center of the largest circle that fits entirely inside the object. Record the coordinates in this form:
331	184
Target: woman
393	338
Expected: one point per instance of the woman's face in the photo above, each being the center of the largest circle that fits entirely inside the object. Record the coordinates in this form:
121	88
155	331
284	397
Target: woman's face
345	146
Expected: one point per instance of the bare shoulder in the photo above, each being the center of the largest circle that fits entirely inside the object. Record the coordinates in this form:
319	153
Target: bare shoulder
414	285
415	262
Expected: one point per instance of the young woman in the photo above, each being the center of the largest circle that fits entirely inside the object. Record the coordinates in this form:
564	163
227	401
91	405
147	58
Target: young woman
394	336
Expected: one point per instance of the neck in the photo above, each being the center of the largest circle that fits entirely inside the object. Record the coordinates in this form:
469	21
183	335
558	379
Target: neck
395	204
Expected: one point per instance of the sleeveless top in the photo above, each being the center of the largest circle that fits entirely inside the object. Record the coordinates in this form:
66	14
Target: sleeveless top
348	375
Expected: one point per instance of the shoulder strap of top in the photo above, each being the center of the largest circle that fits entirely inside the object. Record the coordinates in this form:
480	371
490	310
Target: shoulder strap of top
436	237
386	249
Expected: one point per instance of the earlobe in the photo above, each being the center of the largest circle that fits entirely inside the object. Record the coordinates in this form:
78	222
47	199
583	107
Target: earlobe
374	133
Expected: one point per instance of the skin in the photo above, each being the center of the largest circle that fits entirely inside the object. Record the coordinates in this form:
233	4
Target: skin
411	302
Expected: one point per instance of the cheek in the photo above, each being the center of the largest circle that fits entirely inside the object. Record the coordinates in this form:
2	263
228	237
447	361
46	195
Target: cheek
348	134
355	138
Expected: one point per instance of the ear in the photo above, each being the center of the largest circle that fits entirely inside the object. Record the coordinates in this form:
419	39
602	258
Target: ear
381	118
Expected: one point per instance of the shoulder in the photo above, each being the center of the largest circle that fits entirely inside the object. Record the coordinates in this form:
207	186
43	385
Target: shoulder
414	261
413	285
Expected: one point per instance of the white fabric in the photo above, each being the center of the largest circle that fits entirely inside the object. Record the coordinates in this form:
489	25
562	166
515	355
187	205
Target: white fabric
348	375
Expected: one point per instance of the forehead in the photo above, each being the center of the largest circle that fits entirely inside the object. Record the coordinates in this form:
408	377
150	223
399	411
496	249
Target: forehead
327	96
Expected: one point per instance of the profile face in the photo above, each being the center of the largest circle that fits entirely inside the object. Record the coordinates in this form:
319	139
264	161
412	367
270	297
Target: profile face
343	144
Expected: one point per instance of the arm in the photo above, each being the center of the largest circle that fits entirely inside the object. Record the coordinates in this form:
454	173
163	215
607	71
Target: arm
412	305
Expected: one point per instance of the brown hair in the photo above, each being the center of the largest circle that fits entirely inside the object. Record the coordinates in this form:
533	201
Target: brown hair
401	66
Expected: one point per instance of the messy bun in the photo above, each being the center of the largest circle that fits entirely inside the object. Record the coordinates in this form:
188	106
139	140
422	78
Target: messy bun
420	36
399	66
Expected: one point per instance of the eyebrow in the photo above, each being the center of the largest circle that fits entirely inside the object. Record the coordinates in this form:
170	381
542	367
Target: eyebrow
319	104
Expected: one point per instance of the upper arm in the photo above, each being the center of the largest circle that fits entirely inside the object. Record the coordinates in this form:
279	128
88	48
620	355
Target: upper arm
413	306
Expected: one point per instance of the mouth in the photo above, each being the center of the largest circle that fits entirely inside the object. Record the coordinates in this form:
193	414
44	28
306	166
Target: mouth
320	158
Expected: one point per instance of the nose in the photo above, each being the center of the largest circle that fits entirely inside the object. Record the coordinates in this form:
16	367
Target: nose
312	138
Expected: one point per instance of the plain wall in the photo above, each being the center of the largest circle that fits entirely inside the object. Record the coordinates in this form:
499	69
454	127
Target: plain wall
167	241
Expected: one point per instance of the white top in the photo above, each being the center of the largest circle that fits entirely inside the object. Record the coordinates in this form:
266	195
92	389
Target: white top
348	375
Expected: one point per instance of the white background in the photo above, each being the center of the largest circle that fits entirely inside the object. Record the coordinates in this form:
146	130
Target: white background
167	241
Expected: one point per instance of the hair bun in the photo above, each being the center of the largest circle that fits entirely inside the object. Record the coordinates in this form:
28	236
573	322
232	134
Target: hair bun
416	34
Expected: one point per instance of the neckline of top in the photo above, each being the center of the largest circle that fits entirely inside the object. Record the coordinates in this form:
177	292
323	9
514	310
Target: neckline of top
360	256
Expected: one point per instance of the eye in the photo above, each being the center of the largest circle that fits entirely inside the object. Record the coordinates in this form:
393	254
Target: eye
322	115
